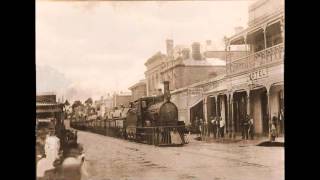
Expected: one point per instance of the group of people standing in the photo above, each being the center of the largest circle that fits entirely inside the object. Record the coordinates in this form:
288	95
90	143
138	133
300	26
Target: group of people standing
247	127
216	128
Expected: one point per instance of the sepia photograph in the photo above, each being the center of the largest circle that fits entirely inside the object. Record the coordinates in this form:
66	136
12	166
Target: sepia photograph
160	90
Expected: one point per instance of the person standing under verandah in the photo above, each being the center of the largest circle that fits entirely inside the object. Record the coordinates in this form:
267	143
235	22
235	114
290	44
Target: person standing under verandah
251	128
221	126
201	127
214	126
245	127
218	126
273	133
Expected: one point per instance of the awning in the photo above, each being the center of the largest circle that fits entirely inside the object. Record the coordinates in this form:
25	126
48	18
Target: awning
195	103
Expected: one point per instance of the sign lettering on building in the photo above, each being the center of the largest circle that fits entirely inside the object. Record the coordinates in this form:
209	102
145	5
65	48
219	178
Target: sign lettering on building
262	73
195	91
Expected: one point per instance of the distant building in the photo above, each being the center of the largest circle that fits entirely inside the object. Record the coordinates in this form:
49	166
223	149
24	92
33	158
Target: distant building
119	99
185	71
139	90
153	76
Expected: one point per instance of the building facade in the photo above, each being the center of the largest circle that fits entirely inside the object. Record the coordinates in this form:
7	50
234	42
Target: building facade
249	82
139	90
180	62
152	74
255	81
121	99
191	100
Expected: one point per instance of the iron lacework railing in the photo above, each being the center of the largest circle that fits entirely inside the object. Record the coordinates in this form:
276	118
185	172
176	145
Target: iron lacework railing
261	58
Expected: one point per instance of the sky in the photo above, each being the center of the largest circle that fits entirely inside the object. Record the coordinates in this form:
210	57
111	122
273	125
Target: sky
89	49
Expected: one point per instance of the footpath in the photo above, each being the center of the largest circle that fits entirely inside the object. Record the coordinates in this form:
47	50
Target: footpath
237	140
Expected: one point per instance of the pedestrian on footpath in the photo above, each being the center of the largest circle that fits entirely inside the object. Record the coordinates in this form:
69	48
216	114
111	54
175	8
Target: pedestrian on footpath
245	127
221	127
251	128
218	126
273	133
201	127
214	127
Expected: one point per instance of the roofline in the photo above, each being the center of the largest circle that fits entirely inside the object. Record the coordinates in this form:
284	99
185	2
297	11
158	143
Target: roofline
253	28
137	84
214	79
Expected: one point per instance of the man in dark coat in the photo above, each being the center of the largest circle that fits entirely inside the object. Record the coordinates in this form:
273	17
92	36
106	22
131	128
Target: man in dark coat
245	127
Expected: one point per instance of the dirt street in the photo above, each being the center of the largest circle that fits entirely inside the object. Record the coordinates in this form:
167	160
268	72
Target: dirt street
109	158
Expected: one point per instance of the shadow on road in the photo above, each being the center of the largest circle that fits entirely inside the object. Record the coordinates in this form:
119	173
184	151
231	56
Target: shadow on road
271	144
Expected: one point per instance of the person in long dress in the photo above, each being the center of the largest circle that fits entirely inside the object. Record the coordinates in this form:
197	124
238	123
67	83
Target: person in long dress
51	148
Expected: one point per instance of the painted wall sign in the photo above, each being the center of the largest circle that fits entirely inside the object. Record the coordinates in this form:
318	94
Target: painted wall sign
261	73
195	91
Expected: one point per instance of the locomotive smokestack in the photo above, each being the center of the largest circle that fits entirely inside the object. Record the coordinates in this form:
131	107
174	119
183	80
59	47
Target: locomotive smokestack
167	95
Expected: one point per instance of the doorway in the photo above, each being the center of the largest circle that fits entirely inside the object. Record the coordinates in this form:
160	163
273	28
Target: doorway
196	112
264	111
239	110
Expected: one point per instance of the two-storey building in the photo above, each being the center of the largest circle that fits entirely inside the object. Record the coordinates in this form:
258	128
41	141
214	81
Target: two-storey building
255	80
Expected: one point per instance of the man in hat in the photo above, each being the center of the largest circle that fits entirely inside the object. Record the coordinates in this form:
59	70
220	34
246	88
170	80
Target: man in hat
221	126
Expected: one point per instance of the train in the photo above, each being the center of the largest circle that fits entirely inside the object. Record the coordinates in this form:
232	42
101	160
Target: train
50	119
151	120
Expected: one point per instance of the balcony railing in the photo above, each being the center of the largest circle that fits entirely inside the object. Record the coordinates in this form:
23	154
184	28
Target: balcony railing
267	56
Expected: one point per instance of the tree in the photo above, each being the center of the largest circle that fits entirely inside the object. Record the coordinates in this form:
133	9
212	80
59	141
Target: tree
65	108
76	104
66	103
88	102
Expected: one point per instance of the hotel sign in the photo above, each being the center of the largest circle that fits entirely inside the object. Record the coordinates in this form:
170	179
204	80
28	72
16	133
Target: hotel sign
195	91
262	73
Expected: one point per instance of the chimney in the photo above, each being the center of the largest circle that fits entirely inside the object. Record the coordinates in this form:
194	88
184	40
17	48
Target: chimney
167	95
196	55
169	46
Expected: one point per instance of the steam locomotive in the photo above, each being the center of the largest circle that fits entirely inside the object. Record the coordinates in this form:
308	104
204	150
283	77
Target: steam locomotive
150	120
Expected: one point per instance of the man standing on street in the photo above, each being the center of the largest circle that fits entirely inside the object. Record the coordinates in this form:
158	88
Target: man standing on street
221	128
218	126
245	127
201	127
214	127
251	128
